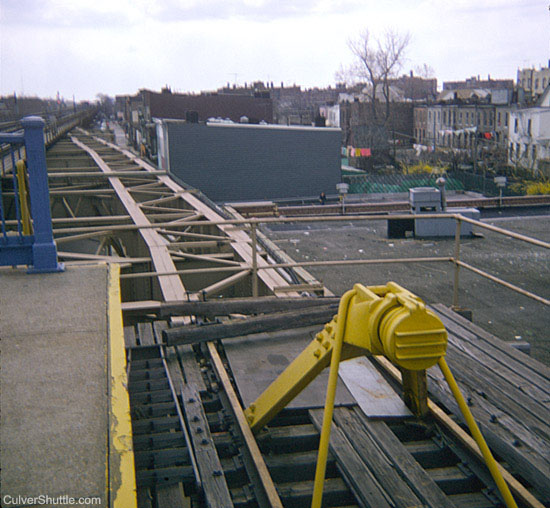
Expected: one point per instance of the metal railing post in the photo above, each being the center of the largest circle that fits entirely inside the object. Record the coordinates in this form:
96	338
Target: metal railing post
254	259
455	261
44	249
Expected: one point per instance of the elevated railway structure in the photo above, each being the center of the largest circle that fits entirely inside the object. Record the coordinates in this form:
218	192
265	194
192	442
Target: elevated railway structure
244	307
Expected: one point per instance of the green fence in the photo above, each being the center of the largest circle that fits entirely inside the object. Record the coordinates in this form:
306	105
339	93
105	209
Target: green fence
373	184
479	183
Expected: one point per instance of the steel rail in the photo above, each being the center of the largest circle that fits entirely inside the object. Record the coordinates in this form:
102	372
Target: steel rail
271	497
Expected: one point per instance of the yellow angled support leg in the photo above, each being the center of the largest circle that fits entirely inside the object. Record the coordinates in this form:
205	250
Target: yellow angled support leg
476	434
302	371
329	403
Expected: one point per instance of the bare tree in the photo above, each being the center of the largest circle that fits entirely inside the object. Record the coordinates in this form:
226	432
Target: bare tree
424	71
377	61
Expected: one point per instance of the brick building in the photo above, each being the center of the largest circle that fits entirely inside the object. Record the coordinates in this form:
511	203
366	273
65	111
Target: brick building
142	108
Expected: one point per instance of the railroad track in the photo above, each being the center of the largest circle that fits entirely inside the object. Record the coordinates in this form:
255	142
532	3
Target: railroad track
365	467
183	399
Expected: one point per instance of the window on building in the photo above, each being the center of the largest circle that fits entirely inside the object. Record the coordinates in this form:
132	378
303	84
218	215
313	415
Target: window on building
534	152
529	126
498	118
516	125
536	83
484	118
526	150
506	119
511	150
444	118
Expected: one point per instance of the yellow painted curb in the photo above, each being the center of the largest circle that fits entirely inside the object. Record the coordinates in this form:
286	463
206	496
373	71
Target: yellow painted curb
122	478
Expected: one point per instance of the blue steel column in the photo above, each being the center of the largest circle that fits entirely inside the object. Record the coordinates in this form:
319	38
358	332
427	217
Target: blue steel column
44	249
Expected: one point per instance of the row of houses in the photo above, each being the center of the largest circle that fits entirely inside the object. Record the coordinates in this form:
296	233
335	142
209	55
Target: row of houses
510	124
471	118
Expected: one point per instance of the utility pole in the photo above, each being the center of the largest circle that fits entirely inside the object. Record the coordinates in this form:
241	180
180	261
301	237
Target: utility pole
435	133
475	139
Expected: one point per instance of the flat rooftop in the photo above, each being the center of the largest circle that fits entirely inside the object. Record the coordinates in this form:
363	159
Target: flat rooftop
498	310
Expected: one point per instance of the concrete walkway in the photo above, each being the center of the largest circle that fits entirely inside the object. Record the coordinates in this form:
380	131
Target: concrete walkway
120	135
55	407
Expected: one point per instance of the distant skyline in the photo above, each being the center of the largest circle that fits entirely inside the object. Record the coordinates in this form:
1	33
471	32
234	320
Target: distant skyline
86	47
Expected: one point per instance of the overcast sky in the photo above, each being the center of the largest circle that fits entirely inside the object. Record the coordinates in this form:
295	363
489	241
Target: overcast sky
84	47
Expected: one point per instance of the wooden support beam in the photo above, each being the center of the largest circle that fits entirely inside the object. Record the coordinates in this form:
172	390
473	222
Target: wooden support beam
200	244
150	185
96	193
99	174
415	391
169	197
82	236
109	259
226	306
298	287
194	334
191	218
219	286
160	208
192	235
210	258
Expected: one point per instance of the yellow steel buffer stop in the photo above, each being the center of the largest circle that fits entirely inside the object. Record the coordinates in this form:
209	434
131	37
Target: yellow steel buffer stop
375	320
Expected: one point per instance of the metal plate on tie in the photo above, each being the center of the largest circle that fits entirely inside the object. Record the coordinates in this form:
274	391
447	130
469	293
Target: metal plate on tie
257	360
375	396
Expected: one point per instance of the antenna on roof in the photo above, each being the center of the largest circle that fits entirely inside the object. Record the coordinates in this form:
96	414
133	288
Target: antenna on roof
234	74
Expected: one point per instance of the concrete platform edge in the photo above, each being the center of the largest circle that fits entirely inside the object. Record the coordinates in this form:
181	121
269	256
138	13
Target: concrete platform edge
121	470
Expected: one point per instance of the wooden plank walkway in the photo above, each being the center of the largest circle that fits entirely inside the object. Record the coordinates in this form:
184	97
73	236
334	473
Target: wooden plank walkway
508	393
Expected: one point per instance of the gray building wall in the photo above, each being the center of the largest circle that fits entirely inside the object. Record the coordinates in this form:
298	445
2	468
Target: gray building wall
234	162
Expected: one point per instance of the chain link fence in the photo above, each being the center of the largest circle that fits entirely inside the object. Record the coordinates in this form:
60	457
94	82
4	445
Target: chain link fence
372	184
